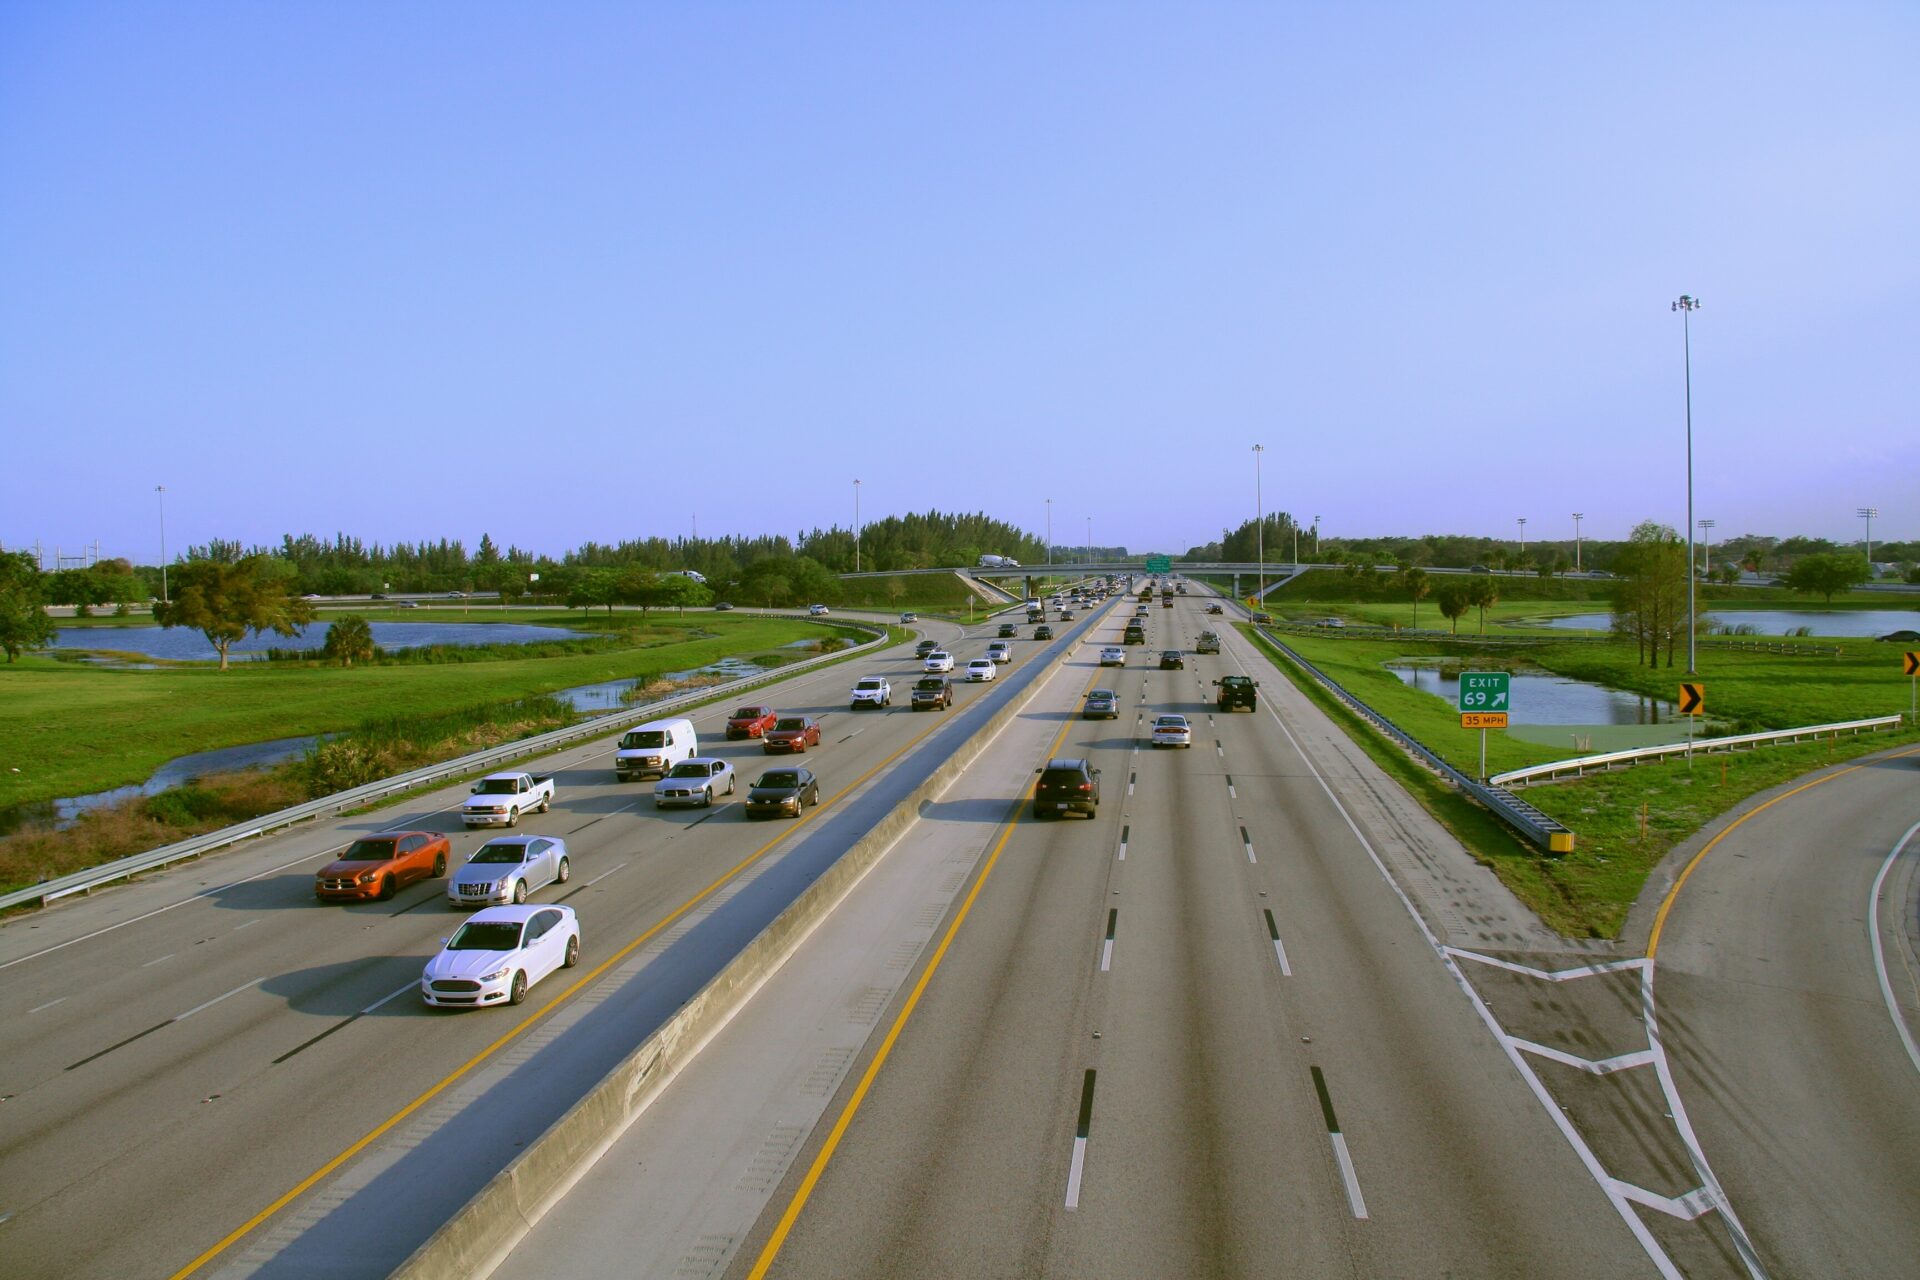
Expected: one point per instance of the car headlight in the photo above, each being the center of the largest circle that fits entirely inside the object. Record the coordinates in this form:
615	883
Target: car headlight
497	974
367	878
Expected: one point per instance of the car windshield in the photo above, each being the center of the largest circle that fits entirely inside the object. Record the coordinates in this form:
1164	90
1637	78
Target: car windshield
868	684
933	682
486	935
643	738
499	786
689	769
1100	695
749	713
790	722
368	851
778	778
501	853
1170	722
1062	778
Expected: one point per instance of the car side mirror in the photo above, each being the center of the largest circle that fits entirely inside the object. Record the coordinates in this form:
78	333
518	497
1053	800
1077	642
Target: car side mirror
475	788
1096	773
1039	770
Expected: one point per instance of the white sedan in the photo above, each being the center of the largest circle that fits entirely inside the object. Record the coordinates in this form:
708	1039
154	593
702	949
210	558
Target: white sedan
1172	731
1113	657
694	782
939	662
498	953
982	669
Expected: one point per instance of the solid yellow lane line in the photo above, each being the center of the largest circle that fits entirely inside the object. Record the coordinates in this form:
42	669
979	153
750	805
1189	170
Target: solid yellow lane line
305	1184
791	1214
1673	894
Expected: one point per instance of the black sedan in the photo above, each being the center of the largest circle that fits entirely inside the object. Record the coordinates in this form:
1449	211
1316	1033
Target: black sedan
1170	660
782	793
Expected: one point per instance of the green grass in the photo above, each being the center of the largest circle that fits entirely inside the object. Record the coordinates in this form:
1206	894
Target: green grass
1589	892
71	729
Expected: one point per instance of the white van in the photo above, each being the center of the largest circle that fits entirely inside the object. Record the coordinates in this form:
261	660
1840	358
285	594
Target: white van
649	750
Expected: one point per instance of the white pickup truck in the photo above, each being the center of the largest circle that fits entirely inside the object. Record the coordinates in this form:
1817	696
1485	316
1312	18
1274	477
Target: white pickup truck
500	798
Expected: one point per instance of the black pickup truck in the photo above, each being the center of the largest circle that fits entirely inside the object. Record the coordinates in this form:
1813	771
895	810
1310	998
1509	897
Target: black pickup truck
1237	692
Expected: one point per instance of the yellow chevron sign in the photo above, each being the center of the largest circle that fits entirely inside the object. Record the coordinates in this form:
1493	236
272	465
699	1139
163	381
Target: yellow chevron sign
1693	699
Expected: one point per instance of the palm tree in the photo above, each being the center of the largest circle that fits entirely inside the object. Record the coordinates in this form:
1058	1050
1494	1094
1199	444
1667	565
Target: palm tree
1414	579
349	637
1482	593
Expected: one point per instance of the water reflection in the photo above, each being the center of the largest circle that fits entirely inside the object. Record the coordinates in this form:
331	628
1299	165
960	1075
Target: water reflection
1861	623
174	773
183	645
1540	698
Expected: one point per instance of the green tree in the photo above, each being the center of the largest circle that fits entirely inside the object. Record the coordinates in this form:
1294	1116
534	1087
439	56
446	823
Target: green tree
766	581
349	638
811	581
1453	602
1824	574
678	591
24	623
1650	601
1483	593
1415	582
224	601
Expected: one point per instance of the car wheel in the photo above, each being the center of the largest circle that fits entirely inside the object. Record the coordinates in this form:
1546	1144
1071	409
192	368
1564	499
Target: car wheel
573	952
564	872
386	888
513	817
518	991
440	865
519	891
546	804
731	784
707	803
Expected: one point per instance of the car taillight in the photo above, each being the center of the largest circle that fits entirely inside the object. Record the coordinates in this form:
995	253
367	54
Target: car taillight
1085	786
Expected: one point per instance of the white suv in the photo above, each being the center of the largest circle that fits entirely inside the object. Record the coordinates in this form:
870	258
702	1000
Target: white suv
872	691
1000	651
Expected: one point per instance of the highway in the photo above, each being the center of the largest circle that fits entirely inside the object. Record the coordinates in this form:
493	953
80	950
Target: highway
1202	1034
206	1066
1260	1014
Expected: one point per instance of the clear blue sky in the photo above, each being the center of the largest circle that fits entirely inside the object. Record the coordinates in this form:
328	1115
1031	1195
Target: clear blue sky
575	271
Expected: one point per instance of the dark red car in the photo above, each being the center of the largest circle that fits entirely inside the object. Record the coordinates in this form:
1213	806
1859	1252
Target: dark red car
375	866
791	733
749	722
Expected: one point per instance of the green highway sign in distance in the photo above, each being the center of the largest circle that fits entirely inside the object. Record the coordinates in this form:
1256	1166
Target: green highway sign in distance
1485	691
1159	564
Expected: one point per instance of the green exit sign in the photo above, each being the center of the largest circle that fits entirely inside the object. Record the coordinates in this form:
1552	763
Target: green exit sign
1486	691
1159	564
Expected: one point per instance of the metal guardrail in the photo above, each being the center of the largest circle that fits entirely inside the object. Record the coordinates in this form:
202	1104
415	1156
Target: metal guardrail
120	869
1530	822
1607	759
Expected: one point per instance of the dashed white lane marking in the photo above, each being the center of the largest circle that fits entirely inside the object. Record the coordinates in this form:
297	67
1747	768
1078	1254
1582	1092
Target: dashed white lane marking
1879	956
48	1005
1124	832
1279	947
1074	1171
245	986
1355	1201
248	924
158	960
602	876
392	995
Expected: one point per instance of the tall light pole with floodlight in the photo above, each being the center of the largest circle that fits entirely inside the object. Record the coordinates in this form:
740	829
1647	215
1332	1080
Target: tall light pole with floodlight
1686	305
1316	537
162	491
1259	523
856	527
1522	520
1706	548
1049	531
1577	518
1867	514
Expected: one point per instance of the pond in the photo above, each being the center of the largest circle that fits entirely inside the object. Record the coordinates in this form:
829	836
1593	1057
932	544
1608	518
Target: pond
182	644
1543	698
1774	622
174	773
610	695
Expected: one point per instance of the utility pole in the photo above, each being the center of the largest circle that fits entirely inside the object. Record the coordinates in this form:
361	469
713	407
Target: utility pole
1049	530
1867	514
1523	536
856	527
1706	548
1577	517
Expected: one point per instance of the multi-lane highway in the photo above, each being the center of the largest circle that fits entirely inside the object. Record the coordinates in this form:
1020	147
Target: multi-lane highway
1260	1014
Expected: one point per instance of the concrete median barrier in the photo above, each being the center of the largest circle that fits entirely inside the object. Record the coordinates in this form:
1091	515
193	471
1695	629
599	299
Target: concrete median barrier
476	1238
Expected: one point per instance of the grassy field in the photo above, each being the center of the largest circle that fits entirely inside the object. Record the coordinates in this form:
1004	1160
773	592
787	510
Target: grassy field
71	729
1626	821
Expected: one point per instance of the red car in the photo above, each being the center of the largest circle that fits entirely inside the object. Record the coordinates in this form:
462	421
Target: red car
377	865
749	722
791	733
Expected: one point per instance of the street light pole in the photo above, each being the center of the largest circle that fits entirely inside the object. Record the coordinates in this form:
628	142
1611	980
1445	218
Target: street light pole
1316	536
1523	536
856	527
1089	542
1259	523
1686	305
162	491
1577	517
1049	531
1867	514
1706	548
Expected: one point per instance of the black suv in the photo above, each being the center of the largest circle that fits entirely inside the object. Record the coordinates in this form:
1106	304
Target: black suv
1008	631
932	691
1134	634
1170	660
925	647
1066	786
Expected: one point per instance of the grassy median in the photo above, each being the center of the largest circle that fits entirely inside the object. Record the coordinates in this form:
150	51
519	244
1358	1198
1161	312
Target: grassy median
1626	821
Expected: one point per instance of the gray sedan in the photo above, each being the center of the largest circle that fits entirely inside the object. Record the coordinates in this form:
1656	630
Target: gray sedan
508	869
